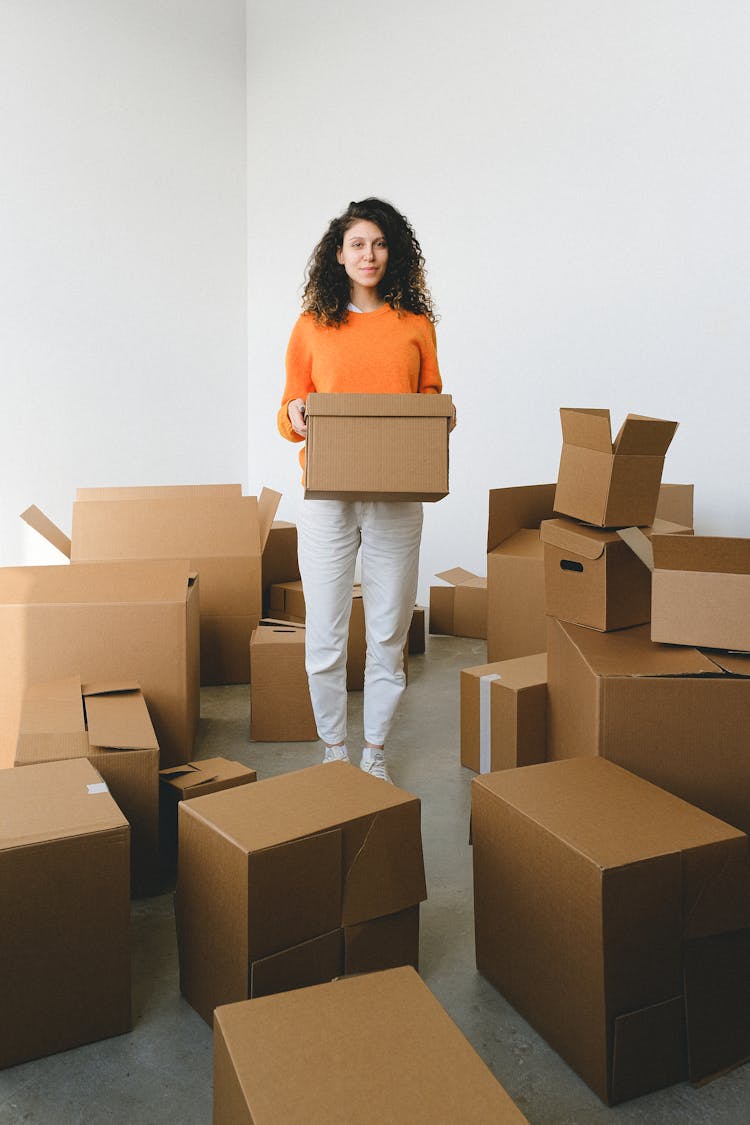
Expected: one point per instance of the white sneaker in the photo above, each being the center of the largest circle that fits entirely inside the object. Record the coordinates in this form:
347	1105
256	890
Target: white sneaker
336	754
373	762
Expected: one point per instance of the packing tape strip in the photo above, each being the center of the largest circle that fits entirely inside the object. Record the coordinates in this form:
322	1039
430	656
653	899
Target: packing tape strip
485	732
99	787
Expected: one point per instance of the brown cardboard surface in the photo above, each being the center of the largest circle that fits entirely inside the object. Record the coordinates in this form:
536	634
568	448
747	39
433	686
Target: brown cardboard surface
462	612
64	886
377	446
280	562
311	962
269	866
676	504
193	779
280	706
109	621
383	943
434	1075
586	878
503	713
416	639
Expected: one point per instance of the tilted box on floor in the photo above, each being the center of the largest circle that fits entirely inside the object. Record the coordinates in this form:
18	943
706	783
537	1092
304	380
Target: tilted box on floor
110	725
193	779
280	707
105	622
306	1058
459	609
616	919
275	877
65	895
504	714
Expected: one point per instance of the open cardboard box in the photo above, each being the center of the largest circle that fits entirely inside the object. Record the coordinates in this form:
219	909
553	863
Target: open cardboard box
459	609
220	533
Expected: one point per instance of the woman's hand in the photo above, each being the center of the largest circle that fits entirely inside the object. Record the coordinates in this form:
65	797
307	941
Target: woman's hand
296	411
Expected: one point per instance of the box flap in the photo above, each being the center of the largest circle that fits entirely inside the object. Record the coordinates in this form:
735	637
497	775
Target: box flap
54	801
36	518
460	577
590	429
516	509
379	405
639	544
119	721
644	437
152	581
735	663
589	542
702	553
631	652
268	503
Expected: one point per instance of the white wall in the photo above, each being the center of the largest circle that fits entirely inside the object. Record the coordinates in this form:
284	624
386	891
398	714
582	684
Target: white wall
123	331
578	175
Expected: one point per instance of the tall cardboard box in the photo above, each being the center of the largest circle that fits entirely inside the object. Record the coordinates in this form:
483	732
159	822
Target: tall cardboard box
130	621
673	715
504	714
221	534
193	779
65	893
459	609
377	446
273	877
611	483
109	724
280	562
280	706
616	919
262	1077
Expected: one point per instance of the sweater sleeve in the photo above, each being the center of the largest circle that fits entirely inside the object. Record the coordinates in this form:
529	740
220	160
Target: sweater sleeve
430	382
298	376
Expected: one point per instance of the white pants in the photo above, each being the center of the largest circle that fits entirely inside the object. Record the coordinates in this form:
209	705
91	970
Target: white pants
330	534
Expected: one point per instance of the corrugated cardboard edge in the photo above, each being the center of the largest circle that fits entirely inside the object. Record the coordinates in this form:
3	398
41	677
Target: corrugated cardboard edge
42	524
639	544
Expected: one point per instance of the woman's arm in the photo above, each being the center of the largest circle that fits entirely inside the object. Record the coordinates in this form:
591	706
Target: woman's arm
298	385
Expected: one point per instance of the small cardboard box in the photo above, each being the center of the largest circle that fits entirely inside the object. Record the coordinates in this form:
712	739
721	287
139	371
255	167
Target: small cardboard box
416	638
219	531
377	446
611	483
504	714
109	724
262	1077
673	715
280	707
593	579
65	893
460	608
701	589
271	876
193	779
616	919
280	563
107	622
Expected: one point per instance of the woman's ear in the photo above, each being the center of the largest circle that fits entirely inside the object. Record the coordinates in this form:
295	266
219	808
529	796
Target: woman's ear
339	256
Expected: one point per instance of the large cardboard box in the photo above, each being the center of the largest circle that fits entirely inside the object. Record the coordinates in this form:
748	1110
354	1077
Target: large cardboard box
183	783
110	725
592	578
130	621
504	714
280	706
272	877
272	1059
220	532
280	562
459	609
65	894
611	483
616	919
675	716
700	591
377	446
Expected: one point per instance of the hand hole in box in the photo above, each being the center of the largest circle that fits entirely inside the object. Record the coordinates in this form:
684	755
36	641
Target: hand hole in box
570	564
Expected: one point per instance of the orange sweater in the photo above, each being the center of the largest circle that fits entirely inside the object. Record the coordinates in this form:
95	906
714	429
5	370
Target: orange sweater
381	352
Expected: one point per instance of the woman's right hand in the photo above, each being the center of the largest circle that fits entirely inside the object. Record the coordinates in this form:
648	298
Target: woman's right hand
296	411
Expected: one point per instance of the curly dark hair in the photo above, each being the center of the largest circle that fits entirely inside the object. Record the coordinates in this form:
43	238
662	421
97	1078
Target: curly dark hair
327	290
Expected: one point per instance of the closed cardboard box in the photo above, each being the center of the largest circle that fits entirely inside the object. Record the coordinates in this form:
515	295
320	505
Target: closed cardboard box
675	716
616	919
416	638
504	714
280	706
110	725
280	563
271	876
272	1059
221	534
611	483
377	446
130	621
65	893
460	608
193	779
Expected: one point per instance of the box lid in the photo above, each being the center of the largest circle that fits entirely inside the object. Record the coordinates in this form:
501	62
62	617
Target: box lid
117	718
638	435
149	581
706	554
631	652
460	577
379	405
588	428
591	542
514	509
277	632
186	777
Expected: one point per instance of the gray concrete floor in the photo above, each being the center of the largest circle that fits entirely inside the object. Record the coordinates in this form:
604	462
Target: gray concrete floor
161	1072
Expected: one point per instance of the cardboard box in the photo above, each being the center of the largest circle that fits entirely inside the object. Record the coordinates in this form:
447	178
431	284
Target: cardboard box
416	639
460	608
676	504
616	919
377	446
593	579
219	531
267	869
611	483
105	622
280	563
65	893
504	714
193	779
675	716
701	589
262	1077
280	707
109	724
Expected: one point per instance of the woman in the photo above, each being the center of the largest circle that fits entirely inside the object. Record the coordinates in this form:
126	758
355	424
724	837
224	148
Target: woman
367	326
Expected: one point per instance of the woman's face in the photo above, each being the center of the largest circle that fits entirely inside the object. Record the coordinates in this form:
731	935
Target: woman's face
364	255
